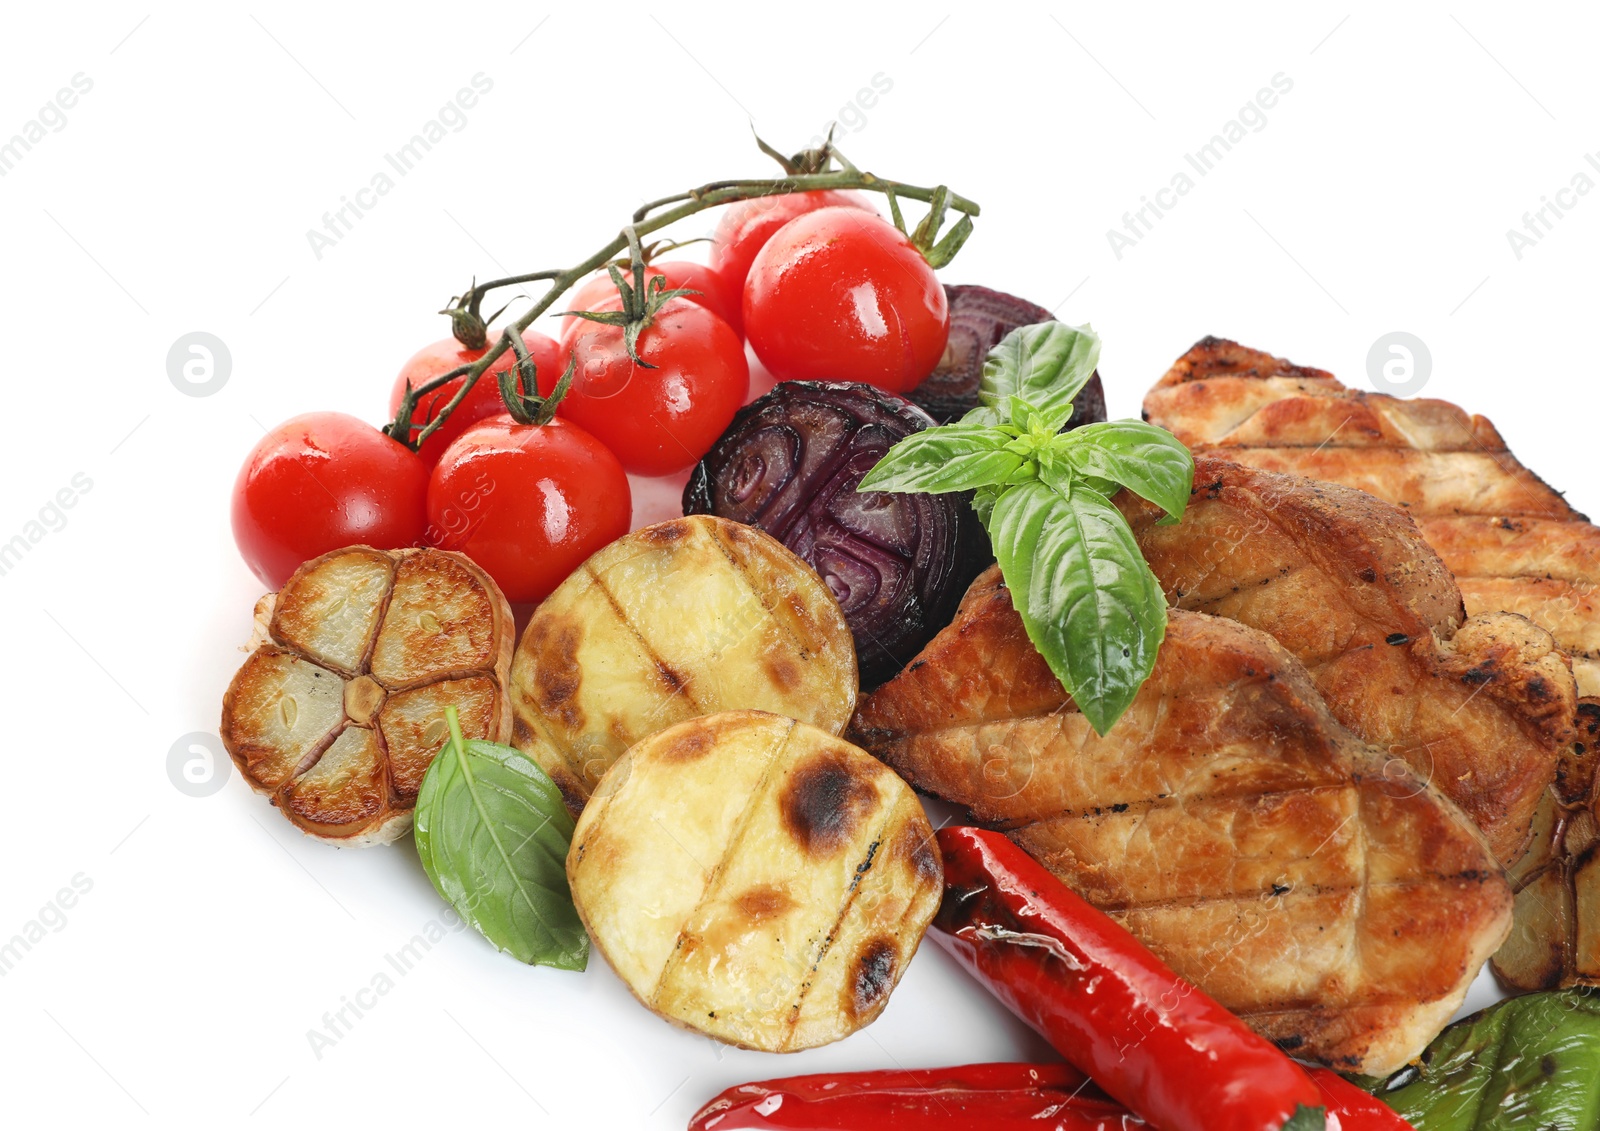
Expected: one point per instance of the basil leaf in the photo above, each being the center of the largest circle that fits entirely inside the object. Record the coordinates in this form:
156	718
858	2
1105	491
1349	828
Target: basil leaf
1530	1062
1089	602
983	500
938	460
493	833
1147	460
1307	1119
1046	364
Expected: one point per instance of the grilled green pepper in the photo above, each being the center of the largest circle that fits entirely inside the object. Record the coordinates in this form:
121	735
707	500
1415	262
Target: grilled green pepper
1531	1062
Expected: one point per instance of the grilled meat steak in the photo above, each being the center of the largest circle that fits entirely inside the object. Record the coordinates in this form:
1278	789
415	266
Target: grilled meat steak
1512	542
1341	579
1314	884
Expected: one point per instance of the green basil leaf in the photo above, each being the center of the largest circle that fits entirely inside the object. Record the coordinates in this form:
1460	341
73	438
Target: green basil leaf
1087	599
493	833
1530	1062
951	458
1147	460
1046	364
983	500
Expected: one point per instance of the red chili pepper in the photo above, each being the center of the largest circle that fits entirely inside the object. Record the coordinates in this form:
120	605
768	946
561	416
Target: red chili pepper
1108	1005
978	1097
1356	1110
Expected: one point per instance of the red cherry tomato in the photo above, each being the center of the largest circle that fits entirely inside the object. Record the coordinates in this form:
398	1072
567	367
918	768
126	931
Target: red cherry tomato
841	295
664	419
320	482
527	502
749	224
484	399
714	294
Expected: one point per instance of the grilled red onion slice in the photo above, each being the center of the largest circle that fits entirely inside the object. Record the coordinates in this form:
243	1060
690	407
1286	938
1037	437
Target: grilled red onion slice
979	318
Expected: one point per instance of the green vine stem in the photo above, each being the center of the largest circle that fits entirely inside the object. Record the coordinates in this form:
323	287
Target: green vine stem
649	219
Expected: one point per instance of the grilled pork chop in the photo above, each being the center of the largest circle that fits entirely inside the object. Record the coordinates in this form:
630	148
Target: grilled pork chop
1319	888
1512	542
1342	580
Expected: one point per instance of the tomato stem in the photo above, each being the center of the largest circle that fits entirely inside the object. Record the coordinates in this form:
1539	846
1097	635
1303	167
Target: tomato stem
646	220
467	324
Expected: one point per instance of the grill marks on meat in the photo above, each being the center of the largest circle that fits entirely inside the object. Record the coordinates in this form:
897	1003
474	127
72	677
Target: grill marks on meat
1512	542
1314	884
1481	706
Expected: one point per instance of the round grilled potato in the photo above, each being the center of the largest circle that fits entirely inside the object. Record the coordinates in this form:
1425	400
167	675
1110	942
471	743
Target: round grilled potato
339	711
755	879
676	620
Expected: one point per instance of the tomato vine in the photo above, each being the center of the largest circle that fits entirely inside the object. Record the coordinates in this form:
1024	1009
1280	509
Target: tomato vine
809	171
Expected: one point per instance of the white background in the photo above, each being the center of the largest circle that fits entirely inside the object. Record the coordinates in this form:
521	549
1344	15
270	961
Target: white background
177	198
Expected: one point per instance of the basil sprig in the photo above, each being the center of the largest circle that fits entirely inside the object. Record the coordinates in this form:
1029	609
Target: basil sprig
493	834
1086	596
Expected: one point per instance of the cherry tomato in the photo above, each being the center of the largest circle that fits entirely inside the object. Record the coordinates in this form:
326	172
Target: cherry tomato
749	224
320	482
714	293
664	419
484	399
841	295
527	502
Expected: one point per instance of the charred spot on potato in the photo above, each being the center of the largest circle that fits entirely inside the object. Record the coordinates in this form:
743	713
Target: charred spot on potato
872	976
664	533
674	680
689	745
763	903
573	792
783	670
825	803
921	854
737	532
556	675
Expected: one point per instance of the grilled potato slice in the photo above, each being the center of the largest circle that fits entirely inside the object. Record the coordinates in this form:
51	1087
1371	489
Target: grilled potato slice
677	620
755	879
340	709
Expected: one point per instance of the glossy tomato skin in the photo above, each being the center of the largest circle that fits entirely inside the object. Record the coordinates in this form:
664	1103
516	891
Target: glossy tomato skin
658	420
840	295
320	482
746	226
714	294
529	503
484	399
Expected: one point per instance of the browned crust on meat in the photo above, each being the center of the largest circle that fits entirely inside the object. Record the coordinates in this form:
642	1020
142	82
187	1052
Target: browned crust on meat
1346	583
1513	543
1312	883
